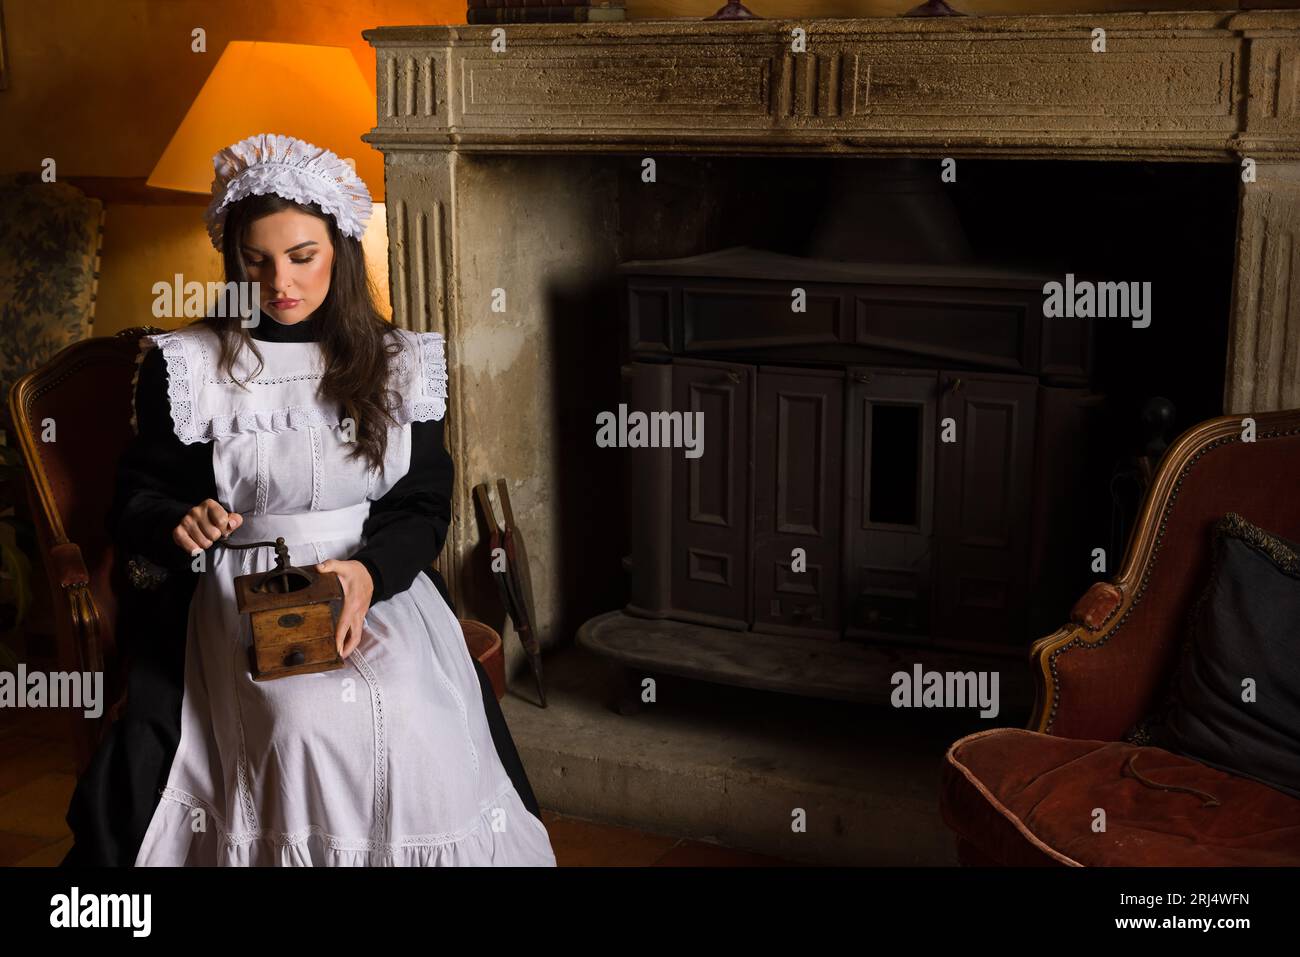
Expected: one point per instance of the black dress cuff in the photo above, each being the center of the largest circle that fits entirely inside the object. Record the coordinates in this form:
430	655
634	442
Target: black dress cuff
377	582
407	527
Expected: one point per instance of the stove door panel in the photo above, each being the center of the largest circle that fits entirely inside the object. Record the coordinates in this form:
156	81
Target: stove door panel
889	448
711	494
798	509
984	507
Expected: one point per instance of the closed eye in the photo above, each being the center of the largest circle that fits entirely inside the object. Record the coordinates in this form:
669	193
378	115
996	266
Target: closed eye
263	262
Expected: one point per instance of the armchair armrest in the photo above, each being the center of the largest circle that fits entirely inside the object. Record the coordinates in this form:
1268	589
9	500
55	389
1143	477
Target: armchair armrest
1100	674
1097	605
1096	672
68	569
81	638
67	566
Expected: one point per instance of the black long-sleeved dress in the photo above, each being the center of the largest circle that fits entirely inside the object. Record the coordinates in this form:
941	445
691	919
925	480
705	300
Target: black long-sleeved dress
159	480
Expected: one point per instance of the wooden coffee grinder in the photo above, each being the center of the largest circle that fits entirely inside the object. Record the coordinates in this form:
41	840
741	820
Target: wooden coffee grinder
294	614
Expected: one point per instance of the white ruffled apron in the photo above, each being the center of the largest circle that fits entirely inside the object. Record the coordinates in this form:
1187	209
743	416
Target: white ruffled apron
386	761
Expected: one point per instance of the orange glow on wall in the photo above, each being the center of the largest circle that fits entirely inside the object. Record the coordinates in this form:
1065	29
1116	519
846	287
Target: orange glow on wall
316	93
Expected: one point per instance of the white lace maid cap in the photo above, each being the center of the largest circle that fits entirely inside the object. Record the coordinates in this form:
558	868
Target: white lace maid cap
294	169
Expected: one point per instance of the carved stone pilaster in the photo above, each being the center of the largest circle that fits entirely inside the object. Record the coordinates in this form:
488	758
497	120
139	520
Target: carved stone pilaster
479	248
419	240
420	264
1263	371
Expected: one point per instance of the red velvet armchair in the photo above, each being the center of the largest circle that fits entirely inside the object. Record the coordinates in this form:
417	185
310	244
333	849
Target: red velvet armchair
85	392
1031	796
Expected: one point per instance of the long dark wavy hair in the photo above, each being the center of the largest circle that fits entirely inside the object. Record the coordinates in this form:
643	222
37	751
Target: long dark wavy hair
356	341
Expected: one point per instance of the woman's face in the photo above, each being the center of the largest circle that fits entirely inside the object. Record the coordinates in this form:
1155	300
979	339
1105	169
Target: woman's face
289	253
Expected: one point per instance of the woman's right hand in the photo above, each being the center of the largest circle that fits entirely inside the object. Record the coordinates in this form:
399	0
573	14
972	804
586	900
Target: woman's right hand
203	525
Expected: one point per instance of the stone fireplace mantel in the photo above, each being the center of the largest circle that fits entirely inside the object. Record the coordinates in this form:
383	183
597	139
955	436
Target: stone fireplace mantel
1199	87
1169	86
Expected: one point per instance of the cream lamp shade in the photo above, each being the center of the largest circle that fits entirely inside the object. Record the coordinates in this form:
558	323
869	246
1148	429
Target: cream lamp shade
315	93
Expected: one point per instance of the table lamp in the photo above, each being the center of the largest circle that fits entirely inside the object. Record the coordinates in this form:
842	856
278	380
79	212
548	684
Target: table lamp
315	93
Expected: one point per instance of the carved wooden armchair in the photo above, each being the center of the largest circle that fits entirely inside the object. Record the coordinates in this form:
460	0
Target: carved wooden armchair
85	391
1028	796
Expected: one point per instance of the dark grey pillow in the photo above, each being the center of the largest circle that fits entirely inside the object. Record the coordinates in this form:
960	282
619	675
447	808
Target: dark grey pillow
1245	628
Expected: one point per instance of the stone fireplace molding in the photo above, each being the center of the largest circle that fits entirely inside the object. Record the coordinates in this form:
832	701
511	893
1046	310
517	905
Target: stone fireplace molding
1177	86
1216	87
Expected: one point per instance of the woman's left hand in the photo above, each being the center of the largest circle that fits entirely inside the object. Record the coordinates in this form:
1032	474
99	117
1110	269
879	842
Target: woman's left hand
357	591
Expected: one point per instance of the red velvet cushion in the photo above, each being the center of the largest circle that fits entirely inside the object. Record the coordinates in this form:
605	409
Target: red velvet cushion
1024	798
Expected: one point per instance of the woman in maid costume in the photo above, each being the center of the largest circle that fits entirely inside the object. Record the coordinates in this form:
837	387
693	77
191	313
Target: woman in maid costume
323	424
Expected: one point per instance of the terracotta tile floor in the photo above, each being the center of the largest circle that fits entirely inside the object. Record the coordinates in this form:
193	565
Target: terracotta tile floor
37	777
